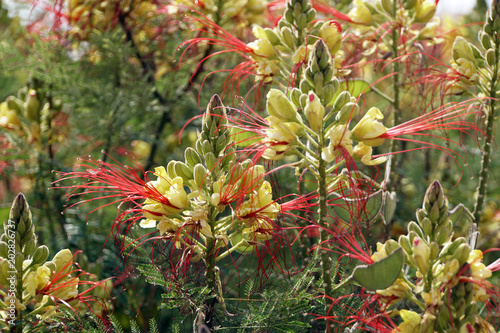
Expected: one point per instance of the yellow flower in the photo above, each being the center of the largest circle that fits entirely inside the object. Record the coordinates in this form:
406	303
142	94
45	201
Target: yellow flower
396	292
315	111
425	10
360	13
331	33
262	48
411	321
279	136
340	137
279	105
257	214
479	272
369	129
168	198
36	280
363	153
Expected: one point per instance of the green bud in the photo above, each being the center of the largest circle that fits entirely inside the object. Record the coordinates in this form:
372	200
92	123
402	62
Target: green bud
445	234
302	21
297	9
304	86
342	99
272	36
32	106
434	250
171	169
328	92
295	96
314	112
279	105
303	101
450	247
410	4
210	160
183	171
319	82
388	6
192	157
461	254
199	173
4	250
311	14
288	37
18	261
405	244
206	147
485	40
412	226
490	57
29	247
347	112
40	255
289	15
426	225
4	271
391	245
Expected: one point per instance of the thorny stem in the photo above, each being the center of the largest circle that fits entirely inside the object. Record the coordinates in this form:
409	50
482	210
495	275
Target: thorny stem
485	162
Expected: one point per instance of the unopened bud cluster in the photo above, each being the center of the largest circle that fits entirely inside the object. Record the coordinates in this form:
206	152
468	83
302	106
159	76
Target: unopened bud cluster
29	280
451	280
33	113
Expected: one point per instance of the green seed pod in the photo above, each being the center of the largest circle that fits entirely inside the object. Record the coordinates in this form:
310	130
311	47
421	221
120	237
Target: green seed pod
40	255
192	157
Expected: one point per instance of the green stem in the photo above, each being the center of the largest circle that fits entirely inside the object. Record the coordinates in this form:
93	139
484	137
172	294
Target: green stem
19	297
322	211
485	162
211	284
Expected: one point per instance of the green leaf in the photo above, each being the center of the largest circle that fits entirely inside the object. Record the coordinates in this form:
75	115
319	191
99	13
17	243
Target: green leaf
382	274
355	87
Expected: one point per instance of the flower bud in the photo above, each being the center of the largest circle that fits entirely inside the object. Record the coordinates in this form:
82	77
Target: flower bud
40	255
347	112
199	174
272	36
32	106
315	112
369	129
279	105
192	157
262	48
490	57
425	10
405	244
288	37
421	254
331	33
295	96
